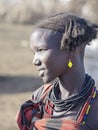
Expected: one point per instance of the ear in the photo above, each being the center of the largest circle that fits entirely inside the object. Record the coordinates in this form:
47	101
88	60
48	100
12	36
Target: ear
71	53
74	53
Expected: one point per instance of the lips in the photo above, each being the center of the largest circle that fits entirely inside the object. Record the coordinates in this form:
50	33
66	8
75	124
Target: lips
41	72
40	69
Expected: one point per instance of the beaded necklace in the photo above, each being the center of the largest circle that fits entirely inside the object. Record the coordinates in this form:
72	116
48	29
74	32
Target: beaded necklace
70	103
87	106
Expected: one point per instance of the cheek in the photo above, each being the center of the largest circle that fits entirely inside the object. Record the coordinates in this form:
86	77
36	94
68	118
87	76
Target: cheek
47	61
47	57
54	61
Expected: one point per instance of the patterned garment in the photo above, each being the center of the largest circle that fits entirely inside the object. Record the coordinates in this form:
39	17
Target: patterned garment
31	115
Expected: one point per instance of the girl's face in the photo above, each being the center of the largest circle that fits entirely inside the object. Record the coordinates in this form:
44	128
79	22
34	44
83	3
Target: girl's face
51	62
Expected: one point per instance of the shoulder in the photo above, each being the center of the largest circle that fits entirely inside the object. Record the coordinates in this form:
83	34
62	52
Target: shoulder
41	92
93	114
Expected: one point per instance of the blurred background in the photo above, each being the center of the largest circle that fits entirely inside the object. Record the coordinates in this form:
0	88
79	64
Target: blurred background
18	77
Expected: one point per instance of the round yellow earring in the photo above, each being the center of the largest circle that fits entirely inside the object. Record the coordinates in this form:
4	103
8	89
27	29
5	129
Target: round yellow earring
70	64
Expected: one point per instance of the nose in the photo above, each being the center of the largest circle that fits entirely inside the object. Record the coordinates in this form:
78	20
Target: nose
36	60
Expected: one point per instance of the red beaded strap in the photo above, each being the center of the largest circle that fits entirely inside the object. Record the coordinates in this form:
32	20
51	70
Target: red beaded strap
86	108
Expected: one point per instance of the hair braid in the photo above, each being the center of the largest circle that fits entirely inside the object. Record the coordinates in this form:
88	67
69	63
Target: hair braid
75	31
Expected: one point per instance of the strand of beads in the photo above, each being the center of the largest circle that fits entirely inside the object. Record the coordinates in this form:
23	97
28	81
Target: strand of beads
86	108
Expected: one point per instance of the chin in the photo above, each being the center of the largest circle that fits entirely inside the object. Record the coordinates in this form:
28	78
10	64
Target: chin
47	80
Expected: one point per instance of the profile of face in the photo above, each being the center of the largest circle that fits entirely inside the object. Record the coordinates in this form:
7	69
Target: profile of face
51	62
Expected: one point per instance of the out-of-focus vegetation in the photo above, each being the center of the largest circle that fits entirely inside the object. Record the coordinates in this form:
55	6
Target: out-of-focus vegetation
30	11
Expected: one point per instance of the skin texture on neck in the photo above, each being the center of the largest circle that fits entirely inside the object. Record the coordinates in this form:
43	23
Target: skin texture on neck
72	81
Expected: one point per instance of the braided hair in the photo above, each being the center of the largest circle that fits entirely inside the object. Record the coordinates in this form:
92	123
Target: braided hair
75	31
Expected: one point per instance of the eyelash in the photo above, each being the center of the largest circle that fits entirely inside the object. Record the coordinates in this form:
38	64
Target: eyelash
40	50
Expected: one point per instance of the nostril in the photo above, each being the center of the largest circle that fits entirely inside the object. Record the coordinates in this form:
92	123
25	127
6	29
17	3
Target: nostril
36	62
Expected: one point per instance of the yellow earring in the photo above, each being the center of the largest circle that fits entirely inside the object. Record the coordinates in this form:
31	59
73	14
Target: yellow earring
70	64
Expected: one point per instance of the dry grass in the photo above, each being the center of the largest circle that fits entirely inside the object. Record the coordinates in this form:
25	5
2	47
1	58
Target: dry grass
27	12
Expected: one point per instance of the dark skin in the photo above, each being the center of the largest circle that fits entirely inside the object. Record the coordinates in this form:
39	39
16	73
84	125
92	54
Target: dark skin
52	63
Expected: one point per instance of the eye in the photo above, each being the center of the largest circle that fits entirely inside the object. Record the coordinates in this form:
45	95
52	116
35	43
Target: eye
41	50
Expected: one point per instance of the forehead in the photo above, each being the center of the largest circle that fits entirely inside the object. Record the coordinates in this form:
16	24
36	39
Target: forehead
45	37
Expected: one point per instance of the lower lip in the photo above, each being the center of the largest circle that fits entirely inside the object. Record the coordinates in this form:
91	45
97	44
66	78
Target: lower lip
41	73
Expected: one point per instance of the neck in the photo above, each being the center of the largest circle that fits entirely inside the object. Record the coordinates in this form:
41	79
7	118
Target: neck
72	82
